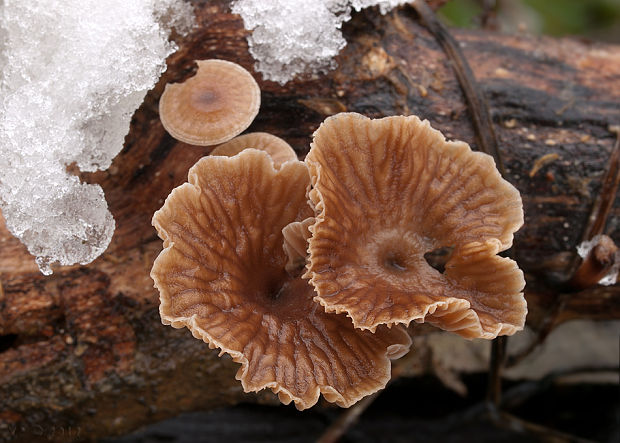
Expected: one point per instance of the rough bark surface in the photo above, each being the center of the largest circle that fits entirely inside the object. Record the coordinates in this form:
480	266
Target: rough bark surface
83	353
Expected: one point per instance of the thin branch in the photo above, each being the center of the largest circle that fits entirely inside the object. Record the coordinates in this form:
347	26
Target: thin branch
349	417
483	124
346	420
515	396
604	200
522	392
595	226
487	140
514	423
599	261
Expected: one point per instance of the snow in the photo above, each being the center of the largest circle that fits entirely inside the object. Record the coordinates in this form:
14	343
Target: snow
73	73
294	37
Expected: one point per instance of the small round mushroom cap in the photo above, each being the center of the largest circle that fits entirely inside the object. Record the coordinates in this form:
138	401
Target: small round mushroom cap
387	192
279	151
221	275
213	106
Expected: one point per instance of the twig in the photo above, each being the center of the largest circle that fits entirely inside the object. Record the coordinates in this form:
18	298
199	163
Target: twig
481	117
346	420
604	200
515	359
595	226
349	417
514	423
524	391
487	140
515	396
488	19
600	259
606	197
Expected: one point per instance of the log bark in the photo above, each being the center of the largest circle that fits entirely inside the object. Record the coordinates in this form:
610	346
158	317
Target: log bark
83	353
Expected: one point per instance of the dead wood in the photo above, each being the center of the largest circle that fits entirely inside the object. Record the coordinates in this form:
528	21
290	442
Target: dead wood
83	353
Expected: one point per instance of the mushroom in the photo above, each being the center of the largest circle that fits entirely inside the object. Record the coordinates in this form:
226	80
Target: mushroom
213	106
390	190
296	235
222	275
279	151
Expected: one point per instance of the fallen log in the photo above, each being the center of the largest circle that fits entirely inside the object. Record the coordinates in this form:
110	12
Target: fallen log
83	353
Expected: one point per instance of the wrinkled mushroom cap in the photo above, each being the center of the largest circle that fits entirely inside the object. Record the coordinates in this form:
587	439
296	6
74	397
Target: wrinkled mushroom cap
221	275
296	235
388	191
213	106
279	151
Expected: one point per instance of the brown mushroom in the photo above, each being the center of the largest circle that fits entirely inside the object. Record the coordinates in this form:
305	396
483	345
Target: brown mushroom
387	192
221	275
279	151
296	235
213	106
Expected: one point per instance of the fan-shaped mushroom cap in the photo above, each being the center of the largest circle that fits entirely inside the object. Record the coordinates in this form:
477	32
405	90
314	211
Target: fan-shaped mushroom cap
279	151
388	191
221	274
213	106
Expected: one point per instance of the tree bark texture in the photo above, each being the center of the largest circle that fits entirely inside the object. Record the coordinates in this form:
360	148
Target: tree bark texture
83	353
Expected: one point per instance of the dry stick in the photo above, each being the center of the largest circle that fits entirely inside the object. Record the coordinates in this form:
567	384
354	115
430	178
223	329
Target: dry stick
597	263
483	124
487	140
595	226
347	419
606	197
515	396
489	14
522	392
514	423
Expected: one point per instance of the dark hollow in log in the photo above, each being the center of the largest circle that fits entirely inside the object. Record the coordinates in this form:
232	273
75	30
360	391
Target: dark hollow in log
83	353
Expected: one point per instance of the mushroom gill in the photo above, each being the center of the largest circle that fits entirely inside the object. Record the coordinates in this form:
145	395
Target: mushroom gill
279	151
213	106
387	192
222	275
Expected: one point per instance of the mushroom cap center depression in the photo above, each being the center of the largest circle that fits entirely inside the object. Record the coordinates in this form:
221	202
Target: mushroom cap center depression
206	100
397	251
279	294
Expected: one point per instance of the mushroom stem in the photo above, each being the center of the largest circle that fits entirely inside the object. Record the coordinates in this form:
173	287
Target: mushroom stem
496	366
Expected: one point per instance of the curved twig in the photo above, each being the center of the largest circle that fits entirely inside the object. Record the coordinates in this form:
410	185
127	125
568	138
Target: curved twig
483	124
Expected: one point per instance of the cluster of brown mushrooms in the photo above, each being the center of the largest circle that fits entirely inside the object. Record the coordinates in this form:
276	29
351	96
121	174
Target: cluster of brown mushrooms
370	200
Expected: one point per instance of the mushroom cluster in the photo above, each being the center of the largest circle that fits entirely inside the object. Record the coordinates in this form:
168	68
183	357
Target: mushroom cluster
358	215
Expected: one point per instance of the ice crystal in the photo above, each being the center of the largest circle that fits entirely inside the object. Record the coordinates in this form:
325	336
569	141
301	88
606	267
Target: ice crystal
72	74
293	37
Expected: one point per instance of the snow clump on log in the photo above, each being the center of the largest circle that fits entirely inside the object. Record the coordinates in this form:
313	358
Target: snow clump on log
73	73
295	37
